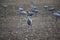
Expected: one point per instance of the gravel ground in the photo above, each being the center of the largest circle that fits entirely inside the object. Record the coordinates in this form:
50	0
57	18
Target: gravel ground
13	25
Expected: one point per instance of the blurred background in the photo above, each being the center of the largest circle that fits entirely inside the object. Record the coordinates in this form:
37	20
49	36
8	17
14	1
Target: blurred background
13	26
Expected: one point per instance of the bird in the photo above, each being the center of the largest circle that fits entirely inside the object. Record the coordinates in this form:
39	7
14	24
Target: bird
29	21
5	6
23	12
46	7
21	9
51	9
34	6
35	9
56	14
30	13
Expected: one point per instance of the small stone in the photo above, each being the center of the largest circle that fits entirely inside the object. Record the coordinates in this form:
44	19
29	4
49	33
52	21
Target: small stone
9	39
2	16
11	32
1	36
27	31
33	39
26	39
26	35
16	32
31	35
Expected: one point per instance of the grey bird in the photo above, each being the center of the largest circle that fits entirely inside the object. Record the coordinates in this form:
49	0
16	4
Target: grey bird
46	7
30	13
23	12
21	9
5	6
29	21
57	14
51	9
35	9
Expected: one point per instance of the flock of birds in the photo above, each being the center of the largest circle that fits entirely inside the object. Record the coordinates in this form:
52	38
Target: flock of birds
35	10
29	13
55	13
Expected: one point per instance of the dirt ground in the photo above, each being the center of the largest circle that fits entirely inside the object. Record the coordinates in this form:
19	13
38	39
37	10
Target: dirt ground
13	25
